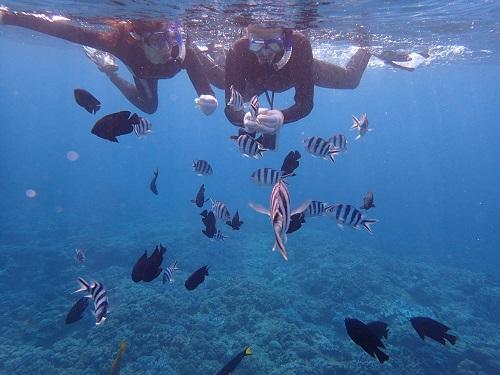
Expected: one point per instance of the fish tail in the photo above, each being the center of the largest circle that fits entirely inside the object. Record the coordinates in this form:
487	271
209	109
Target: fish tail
381	356
84	285
248	351
279	243
451	338
156	172
367	224
355	122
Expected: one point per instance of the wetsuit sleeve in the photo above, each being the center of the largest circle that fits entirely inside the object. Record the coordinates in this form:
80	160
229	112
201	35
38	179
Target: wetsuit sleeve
196	73
335	77
143	93
304	83
235	78
64	29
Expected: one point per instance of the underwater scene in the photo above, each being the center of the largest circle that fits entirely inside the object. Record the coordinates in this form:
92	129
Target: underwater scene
249	187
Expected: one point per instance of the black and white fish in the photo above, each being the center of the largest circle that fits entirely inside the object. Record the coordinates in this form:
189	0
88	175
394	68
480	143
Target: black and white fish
143	128
236	100
202	168
249	147
219	236
317	146
168	273
338	142
254	106
345	214
266	176
361	125
80	256
316	208
98	293
220	210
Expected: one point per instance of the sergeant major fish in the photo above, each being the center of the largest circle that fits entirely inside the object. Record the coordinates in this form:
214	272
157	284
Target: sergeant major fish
99	295
236	100
345	214
168	273
254	106
220	210
249	147
202	168
317	146
338	142
143	127
360	125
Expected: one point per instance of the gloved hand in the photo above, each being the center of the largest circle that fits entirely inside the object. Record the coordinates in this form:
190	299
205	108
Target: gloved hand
3	10
270	121
251	124
206	103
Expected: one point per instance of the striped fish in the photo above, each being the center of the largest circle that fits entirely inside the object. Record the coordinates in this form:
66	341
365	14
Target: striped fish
345	214
143	128
317	146
316	208
80	256
249	147
220	210
98	293
219	236
254	106
361	125
236	100
266	176
202	168
168	273
338	142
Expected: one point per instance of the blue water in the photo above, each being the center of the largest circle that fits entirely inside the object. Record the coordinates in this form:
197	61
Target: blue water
431	161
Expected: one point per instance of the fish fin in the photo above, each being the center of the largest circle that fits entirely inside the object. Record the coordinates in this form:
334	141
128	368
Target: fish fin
367	222
332	158
340	226
355	122
233	137
381	356
280	244
301	208
260	209
358	137
84	285
248	351
451	338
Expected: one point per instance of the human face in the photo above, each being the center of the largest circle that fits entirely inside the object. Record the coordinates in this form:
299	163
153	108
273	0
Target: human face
265	48
158	46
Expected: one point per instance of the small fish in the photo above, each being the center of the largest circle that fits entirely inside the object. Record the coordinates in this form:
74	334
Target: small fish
338	142
296	221
249	147
379	329
99	295
235	223
209	221
86	100
432	329
362	335
234	362
111	126
291	163
266	176
152	185
200	197
143	127
254	106
316	208
317	146
367	201
236	100
220	210
168	273
147	269
196	278
202	168
219	236
80	256
117	362
360	125
349	215
77	310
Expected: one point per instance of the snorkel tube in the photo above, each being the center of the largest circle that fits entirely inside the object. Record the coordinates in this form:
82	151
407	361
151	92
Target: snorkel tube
287	41
176	33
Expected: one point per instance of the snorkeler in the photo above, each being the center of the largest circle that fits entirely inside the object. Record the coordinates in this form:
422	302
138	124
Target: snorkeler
150	49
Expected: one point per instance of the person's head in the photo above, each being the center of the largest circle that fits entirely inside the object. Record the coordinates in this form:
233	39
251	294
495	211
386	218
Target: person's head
268	42
162	41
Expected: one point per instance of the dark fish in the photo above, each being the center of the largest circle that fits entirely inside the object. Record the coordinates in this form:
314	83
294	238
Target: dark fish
77	310
86	100
290	164
235	223
139	267
432	329
368	201
296	221
209	220
200	197
117	362
152	185
196	278
235	361
153	265
111	126
379	329
99	295
362	335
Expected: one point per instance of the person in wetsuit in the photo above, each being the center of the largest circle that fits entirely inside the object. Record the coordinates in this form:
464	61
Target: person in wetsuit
151	50
275	59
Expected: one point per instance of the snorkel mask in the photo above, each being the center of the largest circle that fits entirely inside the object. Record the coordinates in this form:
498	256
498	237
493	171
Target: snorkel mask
266	42
169	41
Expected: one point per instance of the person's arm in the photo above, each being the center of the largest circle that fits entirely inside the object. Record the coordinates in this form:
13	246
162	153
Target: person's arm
196	73
304	85
63	28
335	77
235	78
143	94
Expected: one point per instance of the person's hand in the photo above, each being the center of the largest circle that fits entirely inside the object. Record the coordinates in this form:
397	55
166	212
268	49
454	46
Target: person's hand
270	121
250	123
3	10
207	104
